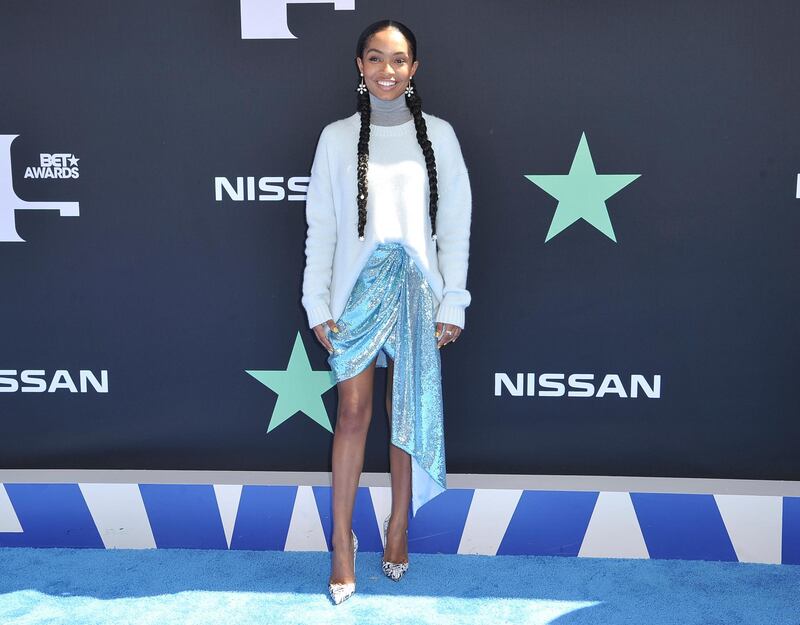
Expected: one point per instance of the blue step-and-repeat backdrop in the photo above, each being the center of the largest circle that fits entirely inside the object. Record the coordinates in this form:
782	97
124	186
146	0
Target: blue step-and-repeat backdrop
634	247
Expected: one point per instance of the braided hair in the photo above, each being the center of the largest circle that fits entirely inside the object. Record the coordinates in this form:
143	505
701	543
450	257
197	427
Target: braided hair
414	103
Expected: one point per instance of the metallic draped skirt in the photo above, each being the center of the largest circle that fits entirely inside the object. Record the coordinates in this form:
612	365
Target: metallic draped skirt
391	311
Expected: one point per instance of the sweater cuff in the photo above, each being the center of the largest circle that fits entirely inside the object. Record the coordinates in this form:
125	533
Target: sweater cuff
318	314
451	314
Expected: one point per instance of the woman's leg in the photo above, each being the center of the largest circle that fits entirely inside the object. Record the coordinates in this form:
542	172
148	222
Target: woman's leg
349	437
400	463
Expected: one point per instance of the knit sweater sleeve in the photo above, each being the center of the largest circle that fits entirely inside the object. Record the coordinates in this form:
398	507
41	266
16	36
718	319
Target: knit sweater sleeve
320	238
453	218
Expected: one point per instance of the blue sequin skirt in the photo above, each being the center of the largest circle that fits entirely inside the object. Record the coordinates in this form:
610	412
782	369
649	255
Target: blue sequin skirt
391	312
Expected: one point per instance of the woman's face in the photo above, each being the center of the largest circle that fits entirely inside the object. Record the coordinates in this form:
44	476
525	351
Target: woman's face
386	64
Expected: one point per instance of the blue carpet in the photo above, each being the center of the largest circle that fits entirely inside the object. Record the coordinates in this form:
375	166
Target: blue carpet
220	587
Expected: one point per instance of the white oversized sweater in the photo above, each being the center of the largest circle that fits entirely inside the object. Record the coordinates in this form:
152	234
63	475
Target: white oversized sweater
397	210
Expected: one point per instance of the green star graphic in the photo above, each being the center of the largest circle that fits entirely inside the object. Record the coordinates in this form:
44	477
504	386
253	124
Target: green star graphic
582	193
299	388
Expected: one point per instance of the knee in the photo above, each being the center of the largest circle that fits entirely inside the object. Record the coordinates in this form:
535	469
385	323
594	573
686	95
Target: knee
354	418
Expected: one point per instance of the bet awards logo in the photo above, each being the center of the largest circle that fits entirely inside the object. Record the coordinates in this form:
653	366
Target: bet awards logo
266	19
51	166
54	166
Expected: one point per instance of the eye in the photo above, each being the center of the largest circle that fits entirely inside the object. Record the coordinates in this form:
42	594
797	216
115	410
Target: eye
373	58
401	61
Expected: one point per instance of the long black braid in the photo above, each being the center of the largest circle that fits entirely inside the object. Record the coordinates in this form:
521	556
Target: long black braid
414	103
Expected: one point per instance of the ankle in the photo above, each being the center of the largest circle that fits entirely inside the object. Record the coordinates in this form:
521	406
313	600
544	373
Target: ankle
400	524
344	541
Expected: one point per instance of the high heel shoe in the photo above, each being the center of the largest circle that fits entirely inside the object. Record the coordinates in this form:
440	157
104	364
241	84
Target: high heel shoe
341	591
392	570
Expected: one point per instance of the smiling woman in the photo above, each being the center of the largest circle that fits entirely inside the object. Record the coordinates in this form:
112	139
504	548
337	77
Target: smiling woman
387	66
395	284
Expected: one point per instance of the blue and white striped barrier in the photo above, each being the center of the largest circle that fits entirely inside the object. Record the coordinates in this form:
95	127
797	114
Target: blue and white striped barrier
744	528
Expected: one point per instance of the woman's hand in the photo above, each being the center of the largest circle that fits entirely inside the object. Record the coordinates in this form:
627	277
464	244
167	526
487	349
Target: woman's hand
322	335
447	332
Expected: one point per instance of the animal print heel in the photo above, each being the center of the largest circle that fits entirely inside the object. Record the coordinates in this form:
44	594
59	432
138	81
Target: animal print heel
341	591
392	570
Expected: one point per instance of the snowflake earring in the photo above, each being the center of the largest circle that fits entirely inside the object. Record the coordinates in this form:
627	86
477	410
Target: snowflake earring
362	88
409	89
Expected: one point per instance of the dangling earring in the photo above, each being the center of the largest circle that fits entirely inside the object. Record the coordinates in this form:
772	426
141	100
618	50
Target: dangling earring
362	88
409	88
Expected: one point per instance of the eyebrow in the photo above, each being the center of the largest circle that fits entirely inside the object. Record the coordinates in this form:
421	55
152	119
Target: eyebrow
381	51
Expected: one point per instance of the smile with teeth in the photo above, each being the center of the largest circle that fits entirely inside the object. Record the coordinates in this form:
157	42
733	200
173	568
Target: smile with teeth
387	83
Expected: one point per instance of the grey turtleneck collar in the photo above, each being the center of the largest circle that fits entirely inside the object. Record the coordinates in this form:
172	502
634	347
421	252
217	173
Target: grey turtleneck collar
389	112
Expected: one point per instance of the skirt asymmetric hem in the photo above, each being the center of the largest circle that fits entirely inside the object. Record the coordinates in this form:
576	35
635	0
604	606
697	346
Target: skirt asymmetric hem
391	312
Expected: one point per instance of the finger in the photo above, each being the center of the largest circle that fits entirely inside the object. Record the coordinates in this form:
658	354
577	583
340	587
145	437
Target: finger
456	331
321	333
318	333
447	334
333	327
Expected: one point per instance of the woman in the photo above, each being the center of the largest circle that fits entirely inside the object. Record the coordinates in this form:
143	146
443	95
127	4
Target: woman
386	257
